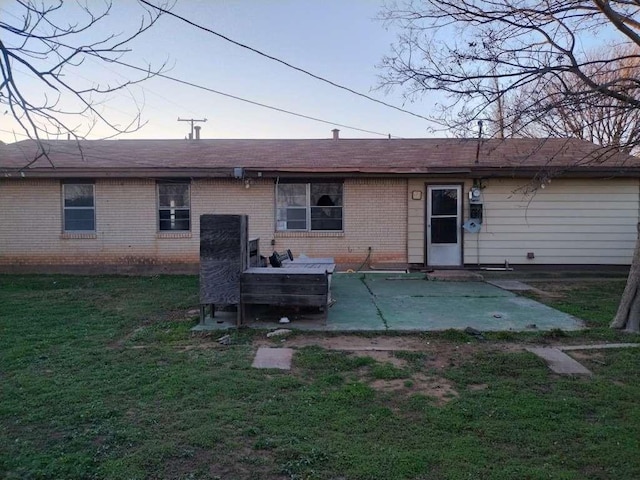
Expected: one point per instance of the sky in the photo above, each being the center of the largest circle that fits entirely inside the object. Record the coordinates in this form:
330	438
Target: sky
336	39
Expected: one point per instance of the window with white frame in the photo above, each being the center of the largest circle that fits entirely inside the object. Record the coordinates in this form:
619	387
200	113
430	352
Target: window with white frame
78	205
174	210
315	206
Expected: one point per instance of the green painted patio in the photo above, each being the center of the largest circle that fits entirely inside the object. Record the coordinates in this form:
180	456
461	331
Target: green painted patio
409	302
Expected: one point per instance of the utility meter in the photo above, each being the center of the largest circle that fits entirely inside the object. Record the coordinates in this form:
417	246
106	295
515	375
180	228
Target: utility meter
475	205
475	195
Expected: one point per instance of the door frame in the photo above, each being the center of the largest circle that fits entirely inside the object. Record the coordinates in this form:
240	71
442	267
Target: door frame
426	219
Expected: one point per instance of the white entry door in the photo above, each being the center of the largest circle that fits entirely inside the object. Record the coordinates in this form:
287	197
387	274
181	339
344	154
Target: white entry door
444	219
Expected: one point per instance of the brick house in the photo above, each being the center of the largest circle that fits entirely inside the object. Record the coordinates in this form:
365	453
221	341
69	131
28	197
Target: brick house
134	205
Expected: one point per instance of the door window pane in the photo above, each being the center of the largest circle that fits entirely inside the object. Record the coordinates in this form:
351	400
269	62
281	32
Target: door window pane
444	201
444	230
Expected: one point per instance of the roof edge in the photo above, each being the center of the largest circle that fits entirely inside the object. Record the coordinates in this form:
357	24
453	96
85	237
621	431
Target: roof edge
228	172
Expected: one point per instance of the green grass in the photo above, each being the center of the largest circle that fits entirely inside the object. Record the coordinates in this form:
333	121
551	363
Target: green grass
595	302
101	378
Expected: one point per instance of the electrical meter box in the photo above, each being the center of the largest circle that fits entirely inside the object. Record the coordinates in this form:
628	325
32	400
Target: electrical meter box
475	204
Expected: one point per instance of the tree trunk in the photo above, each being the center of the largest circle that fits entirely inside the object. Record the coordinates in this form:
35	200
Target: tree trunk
628	316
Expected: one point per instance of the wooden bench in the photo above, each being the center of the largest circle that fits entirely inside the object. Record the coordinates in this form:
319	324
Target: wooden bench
301	285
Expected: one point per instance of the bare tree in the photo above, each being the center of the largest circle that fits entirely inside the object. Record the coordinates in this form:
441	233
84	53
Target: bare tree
595	117
46	49
481	53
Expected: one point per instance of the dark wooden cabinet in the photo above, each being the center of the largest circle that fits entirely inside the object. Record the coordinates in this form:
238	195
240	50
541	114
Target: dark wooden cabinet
224	255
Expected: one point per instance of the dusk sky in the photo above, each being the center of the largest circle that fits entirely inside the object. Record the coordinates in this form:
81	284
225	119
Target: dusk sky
335	39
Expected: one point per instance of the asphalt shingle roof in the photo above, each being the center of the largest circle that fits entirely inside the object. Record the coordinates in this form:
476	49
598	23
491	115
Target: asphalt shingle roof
363	156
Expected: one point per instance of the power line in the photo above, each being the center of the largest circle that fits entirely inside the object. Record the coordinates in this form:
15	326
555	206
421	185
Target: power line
252	102
165	98
275	59
146	70
308	117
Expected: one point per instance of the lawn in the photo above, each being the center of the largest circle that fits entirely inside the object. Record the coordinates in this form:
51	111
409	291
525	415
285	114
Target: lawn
102	378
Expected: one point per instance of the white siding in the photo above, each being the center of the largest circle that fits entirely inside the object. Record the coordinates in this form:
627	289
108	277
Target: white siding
568	222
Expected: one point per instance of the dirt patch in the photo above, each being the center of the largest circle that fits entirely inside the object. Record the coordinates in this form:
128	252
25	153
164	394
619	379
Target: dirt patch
244	463
586	354
390	385
438	388
352	342
585	357
381	356
438	354
552	289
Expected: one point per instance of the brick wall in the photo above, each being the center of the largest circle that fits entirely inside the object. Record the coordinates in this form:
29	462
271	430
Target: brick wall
375	215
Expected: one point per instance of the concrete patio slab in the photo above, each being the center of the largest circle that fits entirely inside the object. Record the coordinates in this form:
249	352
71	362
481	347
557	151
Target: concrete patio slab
410	302
279	358
481	313
381	285
559	362
354	307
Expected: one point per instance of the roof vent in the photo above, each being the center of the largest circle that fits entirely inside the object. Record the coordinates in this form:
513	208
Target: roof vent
336	134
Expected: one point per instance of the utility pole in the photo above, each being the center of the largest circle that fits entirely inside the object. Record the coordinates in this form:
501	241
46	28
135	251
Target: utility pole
191	121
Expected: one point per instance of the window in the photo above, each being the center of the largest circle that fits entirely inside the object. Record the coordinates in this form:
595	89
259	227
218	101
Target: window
79	211
309	206
174	206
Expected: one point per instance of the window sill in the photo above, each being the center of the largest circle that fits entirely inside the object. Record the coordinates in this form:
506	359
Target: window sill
315	234
173	235
78	235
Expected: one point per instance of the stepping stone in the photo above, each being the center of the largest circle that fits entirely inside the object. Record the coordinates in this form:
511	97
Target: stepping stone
559	362
279	358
